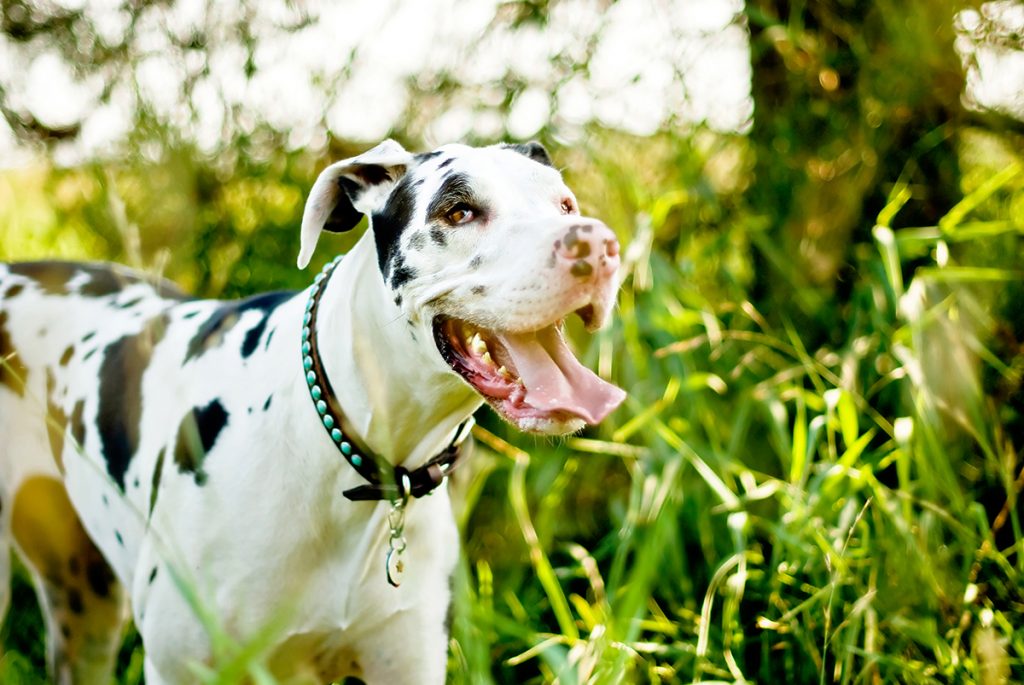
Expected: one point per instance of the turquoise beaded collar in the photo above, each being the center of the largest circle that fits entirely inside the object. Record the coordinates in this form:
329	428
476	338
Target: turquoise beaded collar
384	481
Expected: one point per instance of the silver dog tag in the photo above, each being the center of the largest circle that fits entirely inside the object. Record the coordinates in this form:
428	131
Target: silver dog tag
395	566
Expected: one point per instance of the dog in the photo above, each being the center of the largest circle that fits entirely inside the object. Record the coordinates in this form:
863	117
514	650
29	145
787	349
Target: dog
274	468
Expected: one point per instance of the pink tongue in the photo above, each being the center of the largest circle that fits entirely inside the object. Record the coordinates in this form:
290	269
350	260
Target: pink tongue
554	378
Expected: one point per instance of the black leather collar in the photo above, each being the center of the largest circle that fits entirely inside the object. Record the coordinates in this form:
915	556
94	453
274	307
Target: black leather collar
384	481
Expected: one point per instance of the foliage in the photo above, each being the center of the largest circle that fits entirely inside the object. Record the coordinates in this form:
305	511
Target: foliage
816	476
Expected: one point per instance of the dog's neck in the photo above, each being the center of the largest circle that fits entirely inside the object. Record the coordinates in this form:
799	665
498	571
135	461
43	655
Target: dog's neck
396	394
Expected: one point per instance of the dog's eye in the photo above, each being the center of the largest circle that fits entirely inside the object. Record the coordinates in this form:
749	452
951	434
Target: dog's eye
568	206
461	214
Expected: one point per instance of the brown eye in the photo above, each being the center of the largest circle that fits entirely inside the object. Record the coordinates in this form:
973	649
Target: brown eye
568	206
461	214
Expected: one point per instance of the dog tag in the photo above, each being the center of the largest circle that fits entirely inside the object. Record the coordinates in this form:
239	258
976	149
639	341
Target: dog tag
395	566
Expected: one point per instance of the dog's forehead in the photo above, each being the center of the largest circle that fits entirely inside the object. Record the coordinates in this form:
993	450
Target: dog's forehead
494	168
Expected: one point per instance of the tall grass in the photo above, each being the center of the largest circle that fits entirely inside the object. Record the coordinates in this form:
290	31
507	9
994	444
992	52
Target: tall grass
766	512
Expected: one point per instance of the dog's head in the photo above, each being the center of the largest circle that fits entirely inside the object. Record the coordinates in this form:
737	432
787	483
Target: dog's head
484	249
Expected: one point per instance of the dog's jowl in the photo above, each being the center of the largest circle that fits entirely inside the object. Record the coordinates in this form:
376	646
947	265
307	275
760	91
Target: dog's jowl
263	462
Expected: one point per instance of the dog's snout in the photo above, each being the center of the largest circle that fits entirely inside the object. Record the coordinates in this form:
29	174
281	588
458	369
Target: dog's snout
588	248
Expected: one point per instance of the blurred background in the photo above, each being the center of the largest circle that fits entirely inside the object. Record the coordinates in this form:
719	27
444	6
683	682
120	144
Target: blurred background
817	473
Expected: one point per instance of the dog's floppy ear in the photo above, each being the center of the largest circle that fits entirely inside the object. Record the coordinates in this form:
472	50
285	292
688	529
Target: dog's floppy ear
347	190
533	150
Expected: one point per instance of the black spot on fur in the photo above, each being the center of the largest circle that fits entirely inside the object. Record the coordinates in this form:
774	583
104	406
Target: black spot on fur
88	336
533	150
398	300
51	277
389	223
212	332
438	236
478	290
424	156
77	425
88	355
270	336
104	282
130	303
266	405
152	575
119	413
100	577
445	163
158	471
120	540
252	337
13	373
402	274
14	291
191	315
418	241
475	262
197	434
68	353
75	603
56	421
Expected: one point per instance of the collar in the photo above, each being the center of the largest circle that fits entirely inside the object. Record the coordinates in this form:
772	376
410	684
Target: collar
384	481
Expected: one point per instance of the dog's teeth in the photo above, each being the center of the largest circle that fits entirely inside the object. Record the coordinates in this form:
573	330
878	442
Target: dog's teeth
504	373
486	357
477	344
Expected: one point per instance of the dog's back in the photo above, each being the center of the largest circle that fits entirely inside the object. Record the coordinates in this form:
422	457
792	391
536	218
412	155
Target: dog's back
53	317
58	323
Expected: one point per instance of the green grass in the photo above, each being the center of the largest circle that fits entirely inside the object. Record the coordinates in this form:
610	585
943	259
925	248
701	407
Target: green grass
825	492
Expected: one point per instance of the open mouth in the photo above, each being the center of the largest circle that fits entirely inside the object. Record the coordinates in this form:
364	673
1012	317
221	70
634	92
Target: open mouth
531	378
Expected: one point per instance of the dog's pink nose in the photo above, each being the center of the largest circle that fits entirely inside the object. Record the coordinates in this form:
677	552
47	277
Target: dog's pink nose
588	249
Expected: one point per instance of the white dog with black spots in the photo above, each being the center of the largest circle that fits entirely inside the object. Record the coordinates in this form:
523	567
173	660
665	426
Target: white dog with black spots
180	456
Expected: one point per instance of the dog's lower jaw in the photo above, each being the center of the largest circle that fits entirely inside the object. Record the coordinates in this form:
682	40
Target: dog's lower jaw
548	426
